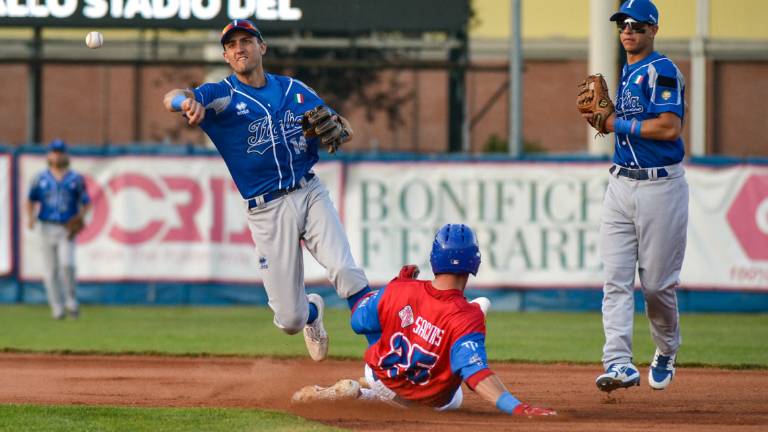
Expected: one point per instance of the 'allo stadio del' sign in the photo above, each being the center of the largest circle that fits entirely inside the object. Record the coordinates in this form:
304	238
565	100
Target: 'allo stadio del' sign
336	16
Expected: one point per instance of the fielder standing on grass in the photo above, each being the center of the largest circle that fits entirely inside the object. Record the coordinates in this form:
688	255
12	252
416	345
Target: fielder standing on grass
645	211
59	200
268	129
427	338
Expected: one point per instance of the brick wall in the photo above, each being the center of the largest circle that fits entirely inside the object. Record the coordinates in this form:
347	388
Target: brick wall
87	104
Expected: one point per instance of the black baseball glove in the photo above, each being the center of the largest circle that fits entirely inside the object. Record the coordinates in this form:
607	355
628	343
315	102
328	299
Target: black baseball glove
333	129
74	225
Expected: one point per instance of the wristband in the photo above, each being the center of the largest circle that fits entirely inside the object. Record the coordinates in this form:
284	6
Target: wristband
177	101
627	127
507	403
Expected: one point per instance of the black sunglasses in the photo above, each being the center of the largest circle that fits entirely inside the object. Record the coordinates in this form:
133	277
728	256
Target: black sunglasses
636	27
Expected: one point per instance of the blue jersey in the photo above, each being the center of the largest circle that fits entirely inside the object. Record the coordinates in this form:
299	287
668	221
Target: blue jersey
59	200
648	88
258	131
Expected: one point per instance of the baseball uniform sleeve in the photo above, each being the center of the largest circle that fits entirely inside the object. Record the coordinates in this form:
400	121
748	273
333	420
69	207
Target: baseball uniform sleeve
82	191
468	358
310	95
214	96
666	87
34	190
365	317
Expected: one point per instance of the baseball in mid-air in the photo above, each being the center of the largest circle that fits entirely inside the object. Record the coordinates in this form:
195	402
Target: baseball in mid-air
94	40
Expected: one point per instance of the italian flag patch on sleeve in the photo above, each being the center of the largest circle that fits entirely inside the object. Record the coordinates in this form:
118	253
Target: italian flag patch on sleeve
299	98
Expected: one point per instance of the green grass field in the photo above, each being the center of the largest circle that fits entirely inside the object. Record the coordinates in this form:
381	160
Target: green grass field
708	339
735	341
82	419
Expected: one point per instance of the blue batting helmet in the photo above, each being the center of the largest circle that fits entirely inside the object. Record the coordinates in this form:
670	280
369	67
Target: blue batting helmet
455	250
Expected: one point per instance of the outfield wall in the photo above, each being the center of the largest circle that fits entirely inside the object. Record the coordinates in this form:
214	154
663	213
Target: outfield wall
170	228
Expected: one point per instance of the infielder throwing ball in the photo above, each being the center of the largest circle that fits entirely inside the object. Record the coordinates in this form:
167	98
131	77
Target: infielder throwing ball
268	128
59	200
428	337
645	211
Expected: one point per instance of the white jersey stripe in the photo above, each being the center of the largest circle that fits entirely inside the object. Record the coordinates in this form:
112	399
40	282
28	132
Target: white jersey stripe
271	135
285	139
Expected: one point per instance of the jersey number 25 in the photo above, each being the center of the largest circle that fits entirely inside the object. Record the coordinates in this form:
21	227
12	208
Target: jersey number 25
409	360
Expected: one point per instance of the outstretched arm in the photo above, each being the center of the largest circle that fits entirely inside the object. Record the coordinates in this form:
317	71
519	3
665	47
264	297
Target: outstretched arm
469	360
184	100
494	391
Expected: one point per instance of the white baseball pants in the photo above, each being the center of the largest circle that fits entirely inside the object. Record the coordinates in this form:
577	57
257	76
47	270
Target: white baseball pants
59	268
277	229
643	229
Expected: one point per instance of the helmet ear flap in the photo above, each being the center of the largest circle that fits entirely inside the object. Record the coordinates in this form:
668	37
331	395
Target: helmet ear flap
455	250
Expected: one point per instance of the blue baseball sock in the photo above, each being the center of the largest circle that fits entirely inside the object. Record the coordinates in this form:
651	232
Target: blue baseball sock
313	313
352	300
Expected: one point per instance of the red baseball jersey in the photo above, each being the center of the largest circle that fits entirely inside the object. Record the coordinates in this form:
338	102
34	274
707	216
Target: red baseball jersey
430	341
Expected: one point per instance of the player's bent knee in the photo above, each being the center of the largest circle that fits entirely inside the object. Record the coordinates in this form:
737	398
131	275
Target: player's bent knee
290	325
619	279
653	289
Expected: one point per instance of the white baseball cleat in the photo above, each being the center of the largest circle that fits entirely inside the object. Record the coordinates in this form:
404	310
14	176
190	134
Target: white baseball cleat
662	371
315	335
618	375
484	304
345	389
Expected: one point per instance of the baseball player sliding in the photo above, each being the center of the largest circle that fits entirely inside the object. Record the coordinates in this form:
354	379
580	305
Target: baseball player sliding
428	338
645	211
268	128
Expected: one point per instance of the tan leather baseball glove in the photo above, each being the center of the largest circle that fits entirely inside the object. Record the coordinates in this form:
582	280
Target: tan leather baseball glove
594	98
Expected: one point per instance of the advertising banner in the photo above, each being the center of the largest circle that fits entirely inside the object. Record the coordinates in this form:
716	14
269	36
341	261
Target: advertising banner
538	224
6	215
181	219
162	219
728	228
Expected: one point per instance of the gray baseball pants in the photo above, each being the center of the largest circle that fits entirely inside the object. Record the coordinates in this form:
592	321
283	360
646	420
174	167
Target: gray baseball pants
643	230
59	268
277	229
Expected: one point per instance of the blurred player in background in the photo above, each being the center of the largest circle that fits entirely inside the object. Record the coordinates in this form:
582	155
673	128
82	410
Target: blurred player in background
255	120
59	200
428	337
645	211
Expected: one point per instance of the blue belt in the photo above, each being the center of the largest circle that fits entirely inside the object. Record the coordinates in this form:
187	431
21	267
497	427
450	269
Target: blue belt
638	174
275	194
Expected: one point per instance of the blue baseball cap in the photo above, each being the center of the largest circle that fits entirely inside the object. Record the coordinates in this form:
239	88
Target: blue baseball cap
240	24
57	145
639	10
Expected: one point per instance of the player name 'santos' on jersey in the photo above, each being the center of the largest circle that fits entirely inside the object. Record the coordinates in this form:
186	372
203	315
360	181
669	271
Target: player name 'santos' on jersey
431	340
59	200
258	131
648	88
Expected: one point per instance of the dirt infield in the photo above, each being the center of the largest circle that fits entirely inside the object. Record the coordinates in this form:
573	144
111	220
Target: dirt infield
698	400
